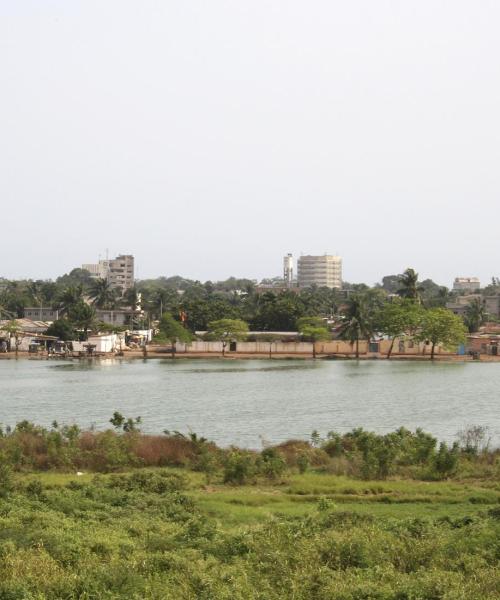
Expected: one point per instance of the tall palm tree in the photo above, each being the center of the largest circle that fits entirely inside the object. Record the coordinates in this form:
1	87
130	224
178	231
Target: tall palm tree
409	286
357	321
102	294
475	315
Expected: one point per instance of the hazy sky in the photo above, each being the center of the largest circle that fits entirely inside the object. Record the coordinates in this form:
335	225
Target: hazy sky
209	138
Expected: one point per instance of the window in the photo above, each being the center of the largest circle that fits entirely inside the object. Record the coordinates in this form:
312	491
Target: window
373	347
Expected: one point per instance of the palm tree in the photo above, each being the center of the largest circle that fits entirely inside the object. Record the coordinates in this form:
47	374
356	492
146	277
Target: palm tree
358	323
102	294
475	315
409	286
69	297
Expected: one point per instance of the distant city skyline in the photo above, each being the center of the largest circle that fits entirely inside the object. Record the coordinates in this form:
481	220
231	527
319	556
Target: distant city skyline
278	271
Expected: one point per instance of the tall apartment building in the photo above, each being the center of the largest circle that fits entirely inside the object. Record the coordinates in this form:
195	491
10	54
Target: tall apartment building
118	271
322	271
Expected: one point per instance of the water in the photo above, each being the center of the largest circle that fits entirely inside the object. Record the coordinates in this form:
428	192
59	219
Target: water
244	402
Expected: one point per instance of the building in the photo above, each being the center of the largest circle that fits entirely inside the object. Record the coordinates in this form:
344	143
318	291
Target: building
41	314
118	271
121	272
288	270
322	271
466	284
118	317
459	305
97	270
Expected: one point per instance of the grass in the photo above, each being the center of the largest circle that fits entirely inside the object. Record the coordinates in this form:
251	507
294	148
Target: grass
164	533
297	495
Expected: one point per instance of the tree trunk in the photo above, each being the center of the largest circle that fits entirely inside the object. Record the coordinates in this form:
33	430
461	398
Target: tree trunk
432	350
390	348
173	349
270	349
357	348
314	349
223	348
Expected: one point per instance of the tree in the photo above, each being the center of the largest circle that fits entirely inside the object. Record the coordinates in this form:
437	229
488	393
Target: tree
397	319
409	286
313	328
228	330
173	331
63	329
69	297
441	326
475	315
357	321
82	316
14	330
102	294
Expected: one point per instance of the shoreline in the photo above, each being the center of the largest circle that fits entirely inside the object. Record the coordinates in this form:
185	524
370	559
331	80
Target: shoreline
251	356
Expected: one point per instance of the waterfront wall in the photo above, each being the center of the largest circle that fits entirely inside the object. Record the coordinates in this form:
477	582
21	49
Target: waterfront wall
336	347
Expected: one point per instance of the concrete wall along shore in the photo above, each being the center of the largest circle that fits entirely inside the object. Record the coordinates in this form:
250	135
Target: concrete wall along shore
336	347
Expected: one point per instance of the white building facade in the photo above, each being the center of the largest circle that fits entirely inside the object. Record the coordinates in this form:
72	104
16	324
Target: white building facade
321	271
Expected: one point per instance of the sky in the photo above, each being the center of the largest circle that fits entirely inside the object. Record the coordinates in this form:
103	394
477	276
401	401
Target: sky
211	138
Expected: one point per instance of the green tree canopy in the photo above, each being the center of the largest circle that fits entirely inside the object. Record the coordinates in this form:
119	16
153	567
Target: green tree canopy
228	330
409	286
399	318
358	320
441	326
173	331
314	330
63	329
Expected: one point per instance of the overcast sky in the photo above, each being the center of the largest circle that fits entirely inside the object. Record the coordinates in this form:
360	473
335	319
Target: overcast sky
209	138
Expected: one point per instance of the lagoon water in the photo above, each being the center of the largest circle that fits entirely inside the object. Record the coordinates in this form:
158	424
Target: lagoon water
248	402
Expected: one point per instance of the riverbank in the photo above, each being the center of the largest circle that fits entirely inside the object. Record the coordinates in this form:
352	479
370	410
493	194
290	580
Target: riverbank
151	354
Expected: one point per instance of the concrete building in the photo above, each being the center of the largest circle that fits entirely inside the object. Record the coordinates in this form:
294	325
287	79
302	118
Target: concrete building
322	271
466	284
459	305
118	271
288	270
121	272
41	314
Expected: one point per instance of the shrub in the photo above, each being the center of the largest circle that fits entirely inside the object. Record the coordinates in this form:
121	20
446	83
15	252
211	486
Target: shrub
239	467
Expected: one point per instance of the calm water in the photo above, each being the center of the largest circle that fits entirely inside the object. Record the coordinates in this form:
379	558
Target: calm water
245	401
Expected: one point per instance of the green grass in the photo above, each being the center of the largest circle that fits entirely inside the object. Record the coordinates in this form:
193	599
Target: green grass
155	534
298	494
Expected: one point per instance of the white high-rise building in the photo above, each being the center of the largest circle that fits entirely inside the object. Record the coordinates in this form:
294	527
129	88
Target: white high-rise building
288	270
322	271
118	271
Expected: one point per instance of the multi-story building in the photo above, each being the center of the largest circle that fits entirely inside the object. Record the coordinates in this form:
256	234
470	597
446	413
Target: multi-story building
121	272
97	270
322	271
118	271
288	270
467	284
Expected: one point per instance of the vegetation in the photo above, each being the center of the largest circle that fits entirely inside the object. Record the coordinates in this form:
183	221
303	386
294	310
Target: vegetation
398	308
227	330
173	331
440	326
287	522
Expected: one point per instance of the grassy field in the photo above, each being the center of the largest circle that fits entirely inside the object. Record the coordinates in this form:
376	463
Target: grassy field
164	533
299	494
119	514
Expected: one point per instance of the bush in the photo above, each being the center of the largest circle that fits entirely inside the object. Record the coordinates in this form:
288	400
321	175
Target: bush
239	467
